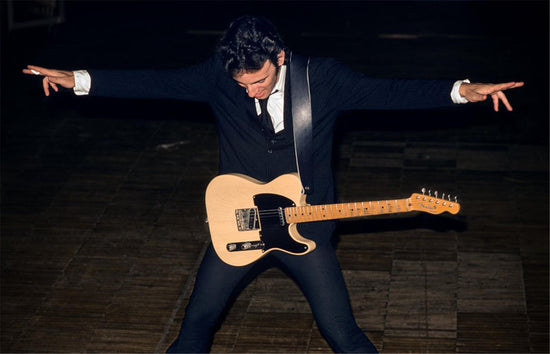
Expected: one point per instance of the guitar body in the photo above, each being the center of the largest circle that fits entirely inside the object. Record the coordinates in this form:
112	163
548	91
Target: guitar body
246	217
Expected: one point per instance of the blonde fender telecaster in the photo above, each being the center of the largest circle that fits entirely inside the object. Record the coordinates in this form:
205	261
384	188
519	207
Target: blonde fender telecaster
248	219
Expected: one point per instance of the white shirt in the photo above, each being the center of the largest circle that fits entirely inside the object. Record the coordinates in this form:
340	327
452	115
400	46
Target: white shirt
275	104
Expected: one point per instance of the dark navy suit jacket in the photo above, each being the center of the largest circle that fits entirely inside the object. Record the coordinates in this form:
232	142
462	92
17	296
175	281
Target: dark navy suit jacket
244	146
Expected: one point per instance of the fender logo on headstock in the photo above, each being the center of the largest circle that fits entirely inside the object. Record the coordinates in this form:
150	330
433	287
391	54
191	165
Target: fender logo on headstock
432	207
433	204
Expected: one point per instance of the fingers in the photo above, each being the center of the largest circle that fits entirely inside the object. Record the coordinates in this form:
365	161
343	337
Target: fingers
51	78
499	96
31	72
46	84
495	102
37	70
518	84
496	93
53	85
505	101
502	87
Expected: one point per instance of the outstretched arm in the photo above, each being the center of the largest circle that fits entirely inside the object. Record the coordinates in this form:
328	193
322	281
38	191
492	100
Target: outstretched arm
195	82
52	78
476	92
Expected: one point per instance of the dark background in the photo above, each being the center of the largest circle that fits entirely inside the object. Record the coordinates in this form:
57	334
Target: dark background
486	41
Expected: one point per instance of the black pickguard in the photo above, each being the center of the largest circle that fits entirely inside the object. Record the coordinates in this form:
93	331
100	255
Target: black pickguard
273	233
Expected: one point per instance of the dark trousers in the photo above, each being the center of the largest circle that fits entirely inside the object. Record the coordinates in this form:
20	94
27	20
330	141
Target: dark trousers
319	276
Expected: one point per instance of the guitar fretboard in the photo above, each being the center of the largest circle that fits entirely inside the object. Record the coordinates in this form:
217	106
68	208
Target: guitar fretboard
345	210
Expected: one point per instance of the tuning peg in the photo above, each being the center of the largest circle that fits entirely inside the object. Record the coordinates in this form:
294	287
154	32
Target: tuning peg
456	199
435	194
443	196
423	191
429	192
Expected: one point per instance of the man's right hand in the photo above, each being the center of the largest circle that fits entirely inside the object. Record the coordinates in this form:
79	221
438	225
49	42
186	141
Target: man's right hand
52	78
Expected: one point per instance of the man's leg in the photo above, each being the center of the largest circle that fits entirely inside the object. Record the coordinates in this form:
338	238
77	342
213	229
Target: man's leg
320	278
214	287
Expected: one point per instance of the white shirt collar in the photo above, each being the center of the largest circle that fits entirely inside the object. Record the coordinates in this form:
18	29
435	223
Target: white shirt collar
280	85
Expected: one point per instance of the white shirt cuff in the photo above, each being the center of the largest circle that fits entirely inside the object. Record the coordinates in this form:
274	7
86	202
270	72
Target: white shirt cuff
82	82
455	93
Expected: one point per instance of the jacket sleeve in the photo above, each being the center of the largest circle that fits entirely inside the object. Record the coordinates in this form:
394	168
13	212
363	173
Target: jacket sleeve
192	83
345	89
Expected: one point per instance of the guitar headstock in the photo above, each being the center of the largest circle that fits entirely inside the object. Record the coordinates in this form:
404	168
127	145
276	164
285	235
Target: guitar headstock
433	204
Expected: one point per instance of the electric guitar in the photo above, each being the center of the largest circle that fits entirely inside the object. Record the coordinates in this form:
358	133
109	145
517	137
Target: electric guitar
248	218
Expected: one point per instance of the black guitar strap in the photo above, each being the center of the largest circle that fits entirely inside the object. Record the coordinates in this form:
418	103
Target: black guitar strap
301	118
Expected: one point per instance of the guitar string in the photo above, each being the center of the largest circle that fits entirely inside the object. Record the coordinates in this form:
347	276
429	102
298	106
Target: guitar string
275	212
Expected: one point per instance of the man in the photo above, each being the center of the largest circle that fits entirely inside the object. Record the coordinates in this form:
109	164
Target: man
248	69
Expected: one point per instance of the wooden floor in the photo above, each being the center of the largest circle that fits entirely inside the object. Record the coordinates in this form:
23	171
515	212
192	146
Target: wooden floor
103	230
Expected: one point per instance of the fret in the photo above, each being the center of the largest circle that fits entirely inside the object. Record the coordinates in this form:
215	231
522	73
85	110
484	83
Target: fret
365	209
322	212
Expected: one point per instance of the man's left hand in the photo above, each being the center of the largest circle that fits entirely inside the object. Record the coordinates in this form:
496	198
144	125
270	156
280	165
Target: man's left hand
476	92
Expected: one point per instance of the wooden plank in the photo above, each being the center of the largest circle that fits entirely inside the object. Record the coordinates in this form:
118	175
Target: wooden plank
490	283
492	332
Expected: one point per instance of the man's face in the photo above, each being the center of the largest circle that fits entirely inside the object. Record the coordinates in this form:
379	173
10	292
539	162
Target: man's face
259	84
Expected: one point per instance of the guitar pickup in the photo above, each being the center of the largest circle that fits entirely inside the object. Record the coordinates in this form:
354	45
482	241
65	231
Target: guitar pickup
247	219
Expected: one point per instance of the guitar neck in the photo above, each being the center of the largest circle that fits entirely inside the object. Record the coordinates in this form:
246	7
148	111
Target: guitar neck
322	212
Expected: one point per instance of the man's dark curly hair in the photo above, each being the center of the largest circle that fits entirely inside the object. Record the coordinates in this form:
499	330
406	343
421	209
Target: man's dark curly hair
248	43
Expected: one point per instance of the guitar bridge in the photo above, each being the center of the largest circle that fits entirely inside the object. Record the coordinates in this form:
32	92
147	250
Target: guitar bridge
247	219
